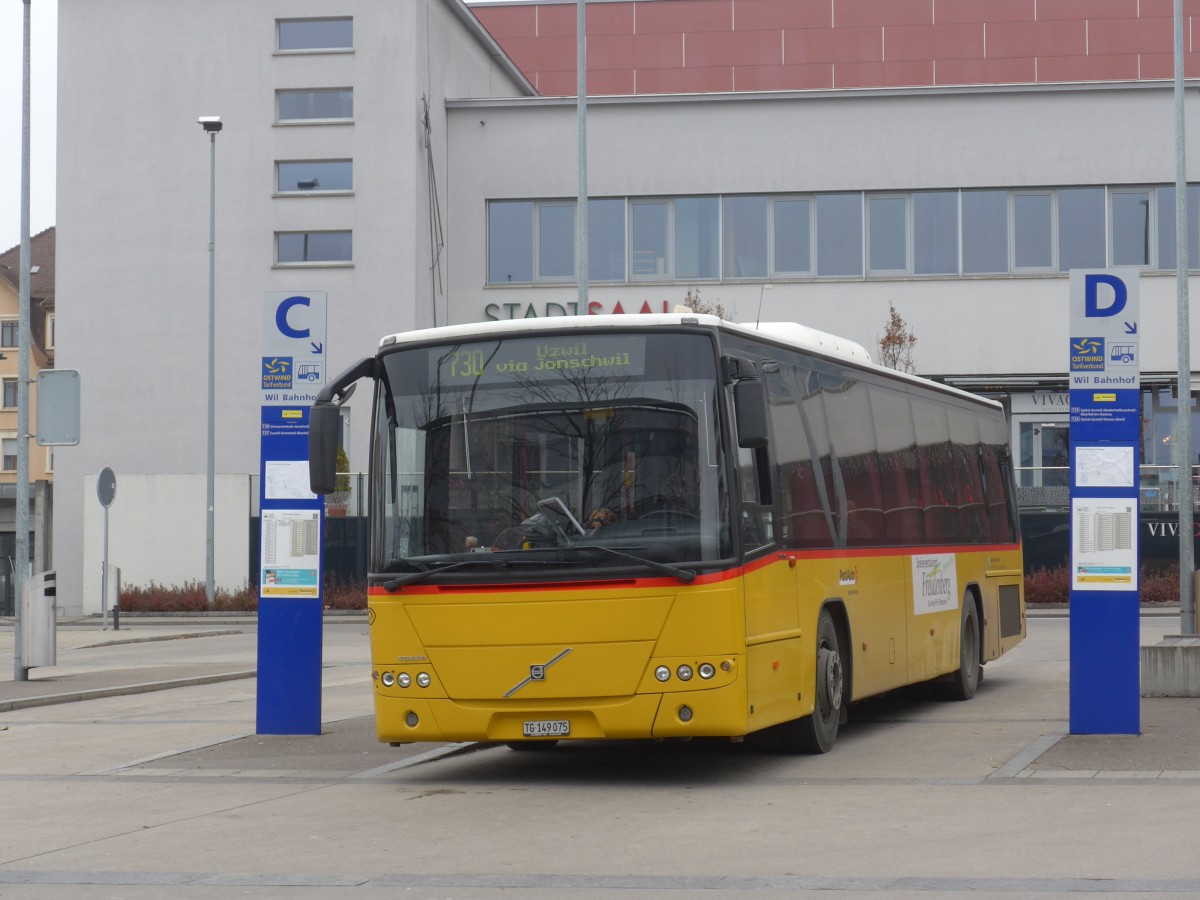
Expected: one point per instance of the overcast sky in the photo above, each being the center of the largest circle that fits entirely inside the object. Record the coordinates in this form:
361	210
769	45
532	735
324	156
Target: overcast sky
43	56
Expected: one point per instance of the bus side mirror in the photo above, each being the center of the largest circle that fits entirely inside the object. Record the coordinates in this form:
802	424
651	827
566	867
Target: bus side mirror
750	411
324	427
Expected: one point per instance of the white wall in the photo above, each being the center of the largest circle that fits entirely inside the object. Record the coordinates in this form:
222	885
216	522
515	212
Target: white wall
866	140
133	204
157	532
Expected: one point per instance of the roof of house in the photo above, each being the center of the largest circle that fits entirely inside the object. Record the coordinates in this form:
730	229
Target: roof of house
41	255
41	283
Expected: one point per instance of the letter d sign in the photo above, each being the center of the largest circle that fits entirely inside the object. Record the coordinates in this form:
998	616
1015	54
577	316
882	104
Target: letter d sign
1091	298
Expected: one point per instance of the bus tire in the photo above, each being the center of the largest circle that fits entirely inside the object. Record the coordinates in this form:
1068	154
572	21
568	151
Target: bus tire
817	733
963	683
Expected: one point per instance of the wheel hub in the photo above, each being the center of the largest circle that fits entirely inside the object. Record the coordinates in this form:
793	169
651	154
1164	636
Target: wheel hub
829	678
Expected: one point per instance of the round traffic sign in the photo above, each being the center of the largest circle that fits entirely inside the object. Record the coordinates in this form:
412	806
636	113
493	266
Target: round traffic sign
106	486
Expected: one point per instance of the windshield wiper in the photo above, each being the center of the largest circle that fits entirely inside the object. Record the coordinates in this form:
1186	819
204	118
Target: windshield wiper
411	577
687	576
498	562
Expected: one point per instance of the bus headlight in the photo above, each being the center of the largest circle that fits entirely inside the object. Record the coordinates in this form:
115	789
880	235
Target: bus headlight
707	671
388	679
684	673
685	714
404	679
423	679
662	673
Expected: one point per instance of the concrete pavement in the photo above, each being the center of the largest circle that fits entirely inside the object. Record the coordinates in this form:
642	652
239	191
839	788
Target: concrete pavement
143	794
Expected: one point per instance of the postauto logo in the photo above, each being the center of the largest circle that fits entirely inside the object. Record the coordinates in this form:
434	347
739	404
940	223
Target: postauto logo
1087	354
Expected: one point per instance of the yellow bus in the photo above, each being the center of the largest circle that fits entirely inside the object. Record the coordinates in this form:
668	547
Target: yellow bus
670	526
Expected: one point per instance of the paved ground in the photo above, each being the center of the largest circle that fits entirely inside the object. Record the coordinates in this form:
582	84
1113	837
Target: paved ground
170	792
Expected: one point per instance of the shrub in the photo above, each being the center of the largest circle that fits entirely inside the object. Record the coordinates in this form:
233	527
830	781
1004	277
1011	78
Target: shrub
340	593
1049	585
1158	584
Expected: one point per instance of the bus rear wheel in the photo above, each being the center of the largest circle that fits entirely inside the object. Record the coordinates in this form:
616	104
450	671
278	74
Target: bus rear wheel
961	685
817	733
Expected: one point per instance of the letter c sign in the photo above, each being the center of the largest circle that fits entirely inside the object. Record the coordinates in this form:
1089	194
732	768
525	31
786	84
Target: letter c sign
1091	299
281	317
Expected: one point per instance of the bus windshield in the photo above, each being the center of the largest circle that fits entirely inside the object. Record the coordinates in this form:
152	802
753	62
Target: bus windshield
550	455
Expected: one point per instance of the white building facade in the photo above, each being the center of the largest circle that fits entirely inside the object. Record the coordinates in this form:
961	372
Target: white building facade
961	207
306	81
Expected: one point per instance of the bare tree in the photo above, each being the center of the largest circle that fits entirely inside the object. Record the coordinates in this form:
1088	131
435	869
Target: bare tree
693	302
896	345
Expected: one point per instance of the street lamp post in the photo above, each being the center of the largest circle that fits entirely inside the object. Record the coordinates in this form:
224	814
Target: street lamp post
211	126
21	550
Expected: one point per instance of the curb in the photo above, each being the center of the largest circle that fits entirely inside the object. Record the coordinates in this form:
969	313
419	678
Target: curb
122	690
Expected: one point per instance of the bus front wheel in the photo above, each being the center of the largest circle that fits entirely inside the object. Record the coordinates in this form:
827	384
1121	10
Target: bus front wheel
817	733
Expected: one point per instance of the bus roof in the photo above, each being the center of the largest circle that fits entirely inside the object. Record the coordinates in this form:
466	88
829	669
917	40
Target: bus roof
790	334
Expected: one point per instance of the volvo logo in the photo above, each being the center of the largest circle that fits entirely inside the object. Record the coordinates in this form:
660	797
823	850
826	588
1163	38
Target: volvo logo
537	672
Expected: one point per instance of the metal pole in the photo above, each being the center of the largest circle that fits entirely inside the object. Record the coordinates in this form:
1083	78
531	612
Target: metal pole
581	208
212	414
104	574
1187	563
20	672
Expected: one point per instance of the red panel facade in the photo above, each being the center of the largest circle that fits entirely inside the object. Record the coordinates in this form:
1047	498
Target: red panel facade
667	46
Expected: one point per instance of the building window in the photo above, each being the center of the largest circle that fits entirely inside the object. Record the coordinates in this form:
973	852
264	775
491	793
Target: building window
8	332
510	242
314	34
744	234
1164	201
697	237
1033	230
313	247
792	220
993	231
556	241
314	176
648	227
50	323
887	234
10	393
606	239
323	104
840	235
935	233
8	446
984	232
1131	228
1081	228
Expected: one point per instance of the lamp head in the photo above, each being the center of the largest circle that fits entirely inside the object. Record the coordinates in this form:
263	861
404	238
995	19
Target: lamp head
211	124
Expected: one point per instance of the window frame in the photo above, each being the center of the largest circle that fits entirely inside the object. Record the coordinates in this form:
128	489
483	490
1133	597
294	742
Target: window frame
1052	266
280	191
314	120
868	238
668	273
773	236
538	207
301	50
1151	236
313	263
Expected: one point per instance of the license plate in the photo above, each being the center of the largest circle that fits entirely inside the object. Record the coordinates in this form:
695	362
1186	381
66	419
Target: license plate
548	728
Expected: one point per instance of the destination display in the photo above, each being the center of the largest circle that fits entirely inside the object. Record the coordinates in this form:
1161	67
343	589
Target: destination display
525	360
